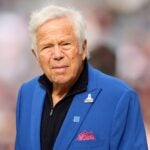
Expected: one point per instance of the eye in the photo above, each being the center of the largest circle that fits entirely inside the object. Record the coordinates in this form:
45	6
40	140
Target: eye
66	45
46	47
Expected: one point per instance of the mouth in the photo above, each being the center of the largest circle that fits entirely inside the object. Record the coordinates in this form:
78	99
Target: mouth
59	69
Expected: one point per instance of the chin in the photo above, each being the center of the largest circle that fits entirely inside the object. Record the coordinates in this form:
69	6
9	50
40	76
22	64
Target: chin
61	80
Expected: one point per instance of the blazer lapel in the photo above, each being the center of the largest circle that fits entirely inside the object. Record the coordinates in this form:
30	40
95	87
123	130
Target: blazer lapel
70	127
37	106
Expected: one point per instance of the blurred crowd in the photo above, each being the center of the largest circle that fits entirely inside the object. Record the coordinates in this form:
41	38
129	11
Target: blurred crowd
118	42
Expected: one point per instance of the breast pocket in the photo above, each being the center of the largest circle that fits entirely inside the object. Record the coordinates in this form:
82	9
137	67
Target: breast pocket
89	145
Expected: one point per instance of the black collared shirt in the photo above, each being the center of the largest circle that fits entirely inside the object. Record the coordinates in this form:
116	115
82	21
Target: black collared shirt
52	118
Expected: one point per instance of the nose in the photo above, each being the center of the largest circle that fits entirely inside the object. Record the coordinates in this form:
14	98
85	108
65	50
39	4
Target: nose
57	53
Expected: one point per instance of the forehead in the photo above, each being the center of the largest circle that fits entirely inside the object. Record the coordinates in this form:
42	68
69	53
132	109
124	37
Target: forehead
63	24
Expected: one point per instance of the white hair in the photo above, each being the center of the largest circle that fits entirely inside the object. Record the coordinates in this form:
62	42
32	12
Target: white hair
52	12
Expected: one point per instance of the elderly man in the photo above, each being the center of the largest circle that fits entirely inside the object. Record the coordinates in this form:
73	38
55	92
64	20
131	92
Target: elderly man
72	105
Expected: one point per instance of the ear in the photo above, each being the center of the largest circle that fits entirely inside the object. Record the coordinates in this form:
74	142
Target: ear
34	53
84	50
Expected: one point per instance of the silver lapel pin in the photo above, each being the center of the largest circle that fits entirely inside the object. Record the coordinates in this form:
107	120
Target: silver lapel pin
89	99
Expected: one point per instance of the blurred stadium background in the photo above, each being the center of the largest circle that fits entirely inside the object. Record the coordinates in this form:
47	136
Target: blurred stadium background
118	40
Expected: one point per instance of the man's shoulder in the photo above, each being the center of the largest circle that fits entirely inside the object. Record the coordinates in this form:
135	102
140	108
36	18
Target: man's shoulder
112	89
30	84
27	90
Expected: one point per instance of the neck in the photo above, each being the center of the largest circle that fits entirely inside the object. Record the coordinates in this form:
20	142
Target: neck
59	92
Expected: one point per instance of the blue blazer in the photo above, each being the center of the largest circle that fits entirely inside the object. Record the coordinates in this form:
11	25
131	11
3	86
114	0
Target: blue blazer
112	120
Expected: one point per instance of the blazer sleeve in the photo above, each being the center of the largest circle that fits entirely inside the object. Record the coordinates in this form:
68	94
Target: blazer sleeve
128	131
18	109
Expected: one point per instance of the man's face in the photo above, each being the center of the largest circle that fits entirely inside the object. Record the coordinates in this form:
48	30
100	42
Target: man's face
58	51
